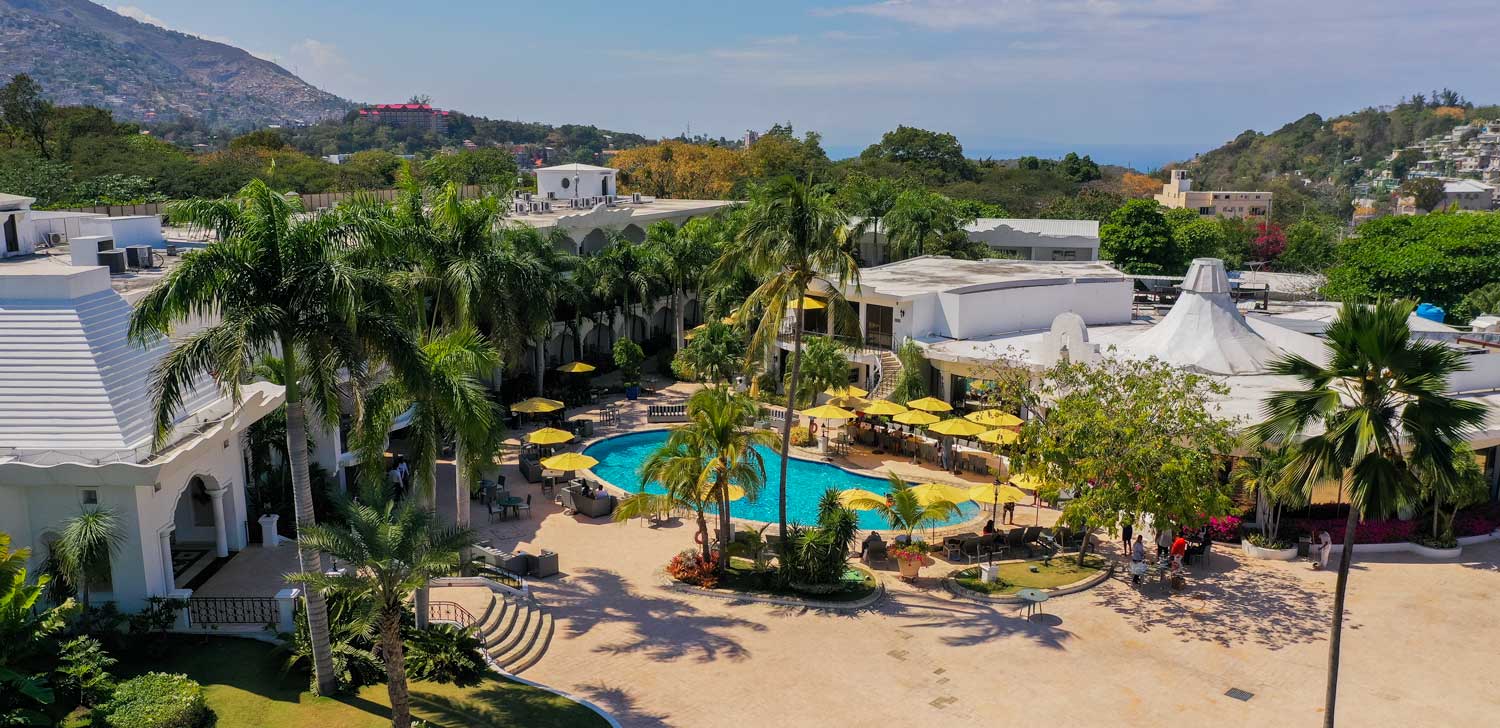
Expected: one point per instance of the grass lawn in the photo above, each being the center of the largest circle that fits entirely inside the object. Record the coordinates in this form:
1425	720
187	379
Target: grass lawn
1016	576
246	688
742	578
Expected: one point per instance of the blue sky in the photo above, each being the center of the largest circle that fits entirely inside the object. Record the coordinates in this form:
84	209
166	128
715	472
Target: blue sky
1137	81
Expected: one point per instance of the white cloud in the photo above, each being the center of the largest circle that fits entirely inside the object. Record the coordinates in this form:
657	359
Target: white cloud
136	13
1030	14
131	11
324	65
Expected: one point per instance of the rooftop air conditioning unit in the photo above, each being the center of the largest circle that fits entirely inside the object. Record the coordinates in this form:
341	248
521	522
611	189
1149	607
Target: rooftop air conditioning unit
547	206
635	198
54	239
138	256
106	244
520	208
551	195
114	260
527	197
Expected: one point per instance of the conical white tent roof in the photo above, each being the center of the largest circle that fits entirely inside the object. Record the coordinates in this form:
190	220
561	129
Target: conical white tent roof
1204	331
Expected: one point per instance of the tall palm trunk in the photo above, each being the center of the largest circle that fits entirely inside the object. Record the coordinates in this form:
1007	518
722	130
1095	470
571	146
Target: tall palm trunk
786	425
725	534
703	532
541	364
395	668
677	341
310	560
1345	558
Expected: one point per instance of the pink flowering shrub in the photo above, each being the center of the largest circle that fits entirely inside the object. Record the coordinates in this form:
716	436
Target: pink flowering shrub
1224	528
1384	531
1475	522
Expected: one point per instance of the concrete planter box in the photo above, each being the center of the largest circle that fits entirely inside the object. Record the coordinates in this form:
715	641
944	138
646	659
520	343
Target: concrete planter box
1256	552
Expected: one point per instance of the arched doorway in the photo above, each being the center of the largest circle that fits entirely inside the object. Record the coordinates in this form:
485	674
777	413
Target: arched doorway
597	342
592	243
634	233
199	532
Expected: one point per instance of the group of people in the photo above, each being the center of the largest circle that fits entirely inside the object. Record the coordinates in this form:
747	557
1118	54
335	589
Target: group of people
1172	547
399	476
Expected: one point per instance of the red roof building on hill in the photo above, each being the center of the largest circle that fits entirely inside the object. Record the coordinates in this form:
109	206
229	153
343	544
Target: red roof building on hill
409	116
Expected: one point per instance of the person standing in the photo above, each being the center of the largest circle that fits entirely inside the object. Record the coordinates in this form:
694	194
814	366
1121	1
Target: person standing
1324	548
1137	559
1163	542
1127	530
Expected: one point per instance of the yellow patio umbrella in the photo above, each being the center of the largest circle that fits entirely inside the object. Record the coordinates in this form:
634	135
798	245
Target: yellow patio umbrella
916	417
809	304
549	436
576	367
731	319
828	412
995	495
850	403
569	461
536	405
957	427
846	391
694	331
884	407
994	418
930	404
929	493
1000	436
735	492
1026	481
860	499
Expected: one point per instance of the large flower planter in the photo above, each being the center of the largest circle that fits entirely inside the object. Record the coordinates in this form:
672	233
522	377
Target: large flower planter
633	392
1256	552
909	568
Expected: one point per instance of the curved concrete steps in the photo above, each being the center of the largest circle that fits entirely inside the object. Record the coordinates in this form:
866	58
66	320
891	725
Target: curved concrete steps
514	630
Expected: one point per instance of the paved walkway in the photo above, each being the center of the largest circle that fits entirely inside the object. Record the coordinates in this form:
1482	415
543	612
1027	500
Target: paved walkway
1419	642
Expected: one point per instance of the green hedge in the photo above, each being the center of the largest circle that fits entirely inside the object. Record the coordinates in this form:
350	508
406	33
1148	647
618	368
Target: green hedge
156	700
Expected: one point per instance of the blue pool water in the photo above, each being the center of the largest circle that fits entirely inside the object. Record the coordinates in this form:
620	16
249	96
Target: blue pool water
620	461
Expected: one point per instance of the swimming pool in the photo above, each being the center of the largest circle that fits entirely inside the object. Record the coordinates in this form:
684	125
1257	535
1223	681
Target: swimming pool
620	461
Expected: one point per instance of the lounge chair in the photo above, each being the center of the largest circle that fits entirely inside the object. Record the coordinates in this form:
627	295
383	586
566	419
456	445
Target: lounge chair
531	467
1032	536
873	548
1015	538
588	505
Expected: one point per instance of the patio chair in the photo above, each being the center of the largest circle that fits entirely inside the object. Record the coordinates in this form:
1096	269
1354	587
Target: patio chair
971	549
953	548
492	508
1032	536
525	506
991	545
1015	538
873	548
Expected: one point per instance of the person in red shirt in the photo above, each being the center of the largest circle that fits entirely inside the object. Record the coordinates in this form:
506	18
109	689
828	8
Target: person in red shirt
1179	551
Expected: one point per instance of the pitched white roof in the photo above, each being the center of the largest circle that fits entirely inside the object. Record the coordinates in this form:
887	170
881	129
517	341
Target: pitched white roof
1466	185
12	202
70	379
575	167
1204	331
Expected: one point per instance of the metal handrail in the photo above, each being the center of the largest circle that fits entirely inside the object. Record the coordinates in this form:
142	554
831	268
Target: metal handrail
449	612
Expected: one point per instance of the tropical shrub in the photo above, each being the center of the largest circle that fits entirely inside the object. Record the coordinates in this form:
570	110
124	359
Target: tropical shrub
444	653
801	436
689	567
628	357
83	672
1476	522
1373	531
817	557
682	369
351	622
156	700
1224	528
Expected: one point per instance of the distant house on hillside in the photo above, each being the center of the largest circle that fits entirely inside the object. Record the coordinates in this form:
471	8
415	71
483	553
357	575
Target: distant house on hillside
1179	193
408	116
1467	194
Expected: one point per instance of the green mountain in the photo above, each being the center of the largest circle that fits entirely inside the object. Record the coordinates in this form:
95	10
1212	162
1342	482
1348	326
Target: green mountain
86	54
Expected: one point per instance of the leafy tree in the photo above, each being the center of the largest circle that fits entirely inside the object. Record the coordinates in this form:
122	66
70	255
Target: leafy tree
716	352
1088	204
1372	418
1480	301
779	153
1133	184
824	365
1311	247
489	167
281	281
910	384
1198	237
27	630
84	549
1426	192
936	158
1433	258
870	199
1079	169
921	219
26	111
392	550
1132	437
268	139
83	671
1269	241
628	357
679	169
1137	238
793	235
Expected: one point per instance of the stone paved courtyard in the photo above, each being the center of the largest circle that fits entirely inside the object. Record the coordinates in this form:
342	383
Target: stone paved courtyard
1420	638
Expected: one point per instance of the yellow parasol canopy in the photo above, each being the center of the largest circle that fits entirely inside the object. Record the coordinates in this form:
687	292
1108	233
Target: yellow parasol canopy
957	427
536	405
930	404
850	403
994	418
809	304
1027	481
735	492
576	367
1000	436
884	407
996	494
549	436
690	333
828	412
847	391
860	499
916	417
929	493
569	461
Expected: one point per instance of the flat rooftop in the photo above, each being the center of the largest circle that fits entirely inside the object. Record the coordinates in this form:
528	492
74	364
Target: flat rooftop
623	212
931	274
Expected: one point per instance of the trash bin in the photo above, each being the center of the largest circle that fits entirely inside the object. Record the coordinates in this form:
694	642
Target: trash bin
1304	546
541	565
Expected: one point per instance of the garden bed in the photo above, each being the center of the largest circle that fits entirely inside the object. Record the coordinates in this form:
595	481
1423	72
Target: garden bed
1062	573
245	687
743	581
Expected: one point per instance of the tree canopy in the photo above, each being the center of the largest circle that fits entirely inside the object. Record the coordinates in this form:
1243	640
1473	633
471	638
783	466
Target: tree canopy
1427	258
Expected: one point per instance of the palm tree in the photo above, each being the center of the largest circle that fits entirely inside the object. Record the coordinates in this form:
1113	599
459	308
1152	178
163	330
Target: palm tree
83	551
904	511
720	427
623	272
824	366
870	199
716	352
1380	413
391	550
921	219
539	266
283	282
792	236
1262	475
681	256
681	467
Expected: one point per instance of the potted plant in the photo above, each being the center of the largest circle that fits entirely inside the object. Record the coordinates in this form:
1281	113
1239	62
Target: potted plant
628	357
911	558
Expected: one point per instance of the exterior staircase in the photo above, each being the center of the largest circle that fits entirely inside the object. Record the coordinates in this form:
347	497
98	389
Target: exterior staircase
890	371
514	629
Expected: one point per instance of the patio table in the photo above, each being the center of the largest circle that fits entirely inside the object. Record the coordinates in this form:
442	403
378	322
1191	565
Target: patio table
1032	598
512	503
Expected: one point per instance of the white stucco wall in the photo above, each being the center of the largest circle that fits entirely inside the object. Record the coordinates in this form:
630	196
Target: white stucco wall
590	183
982	313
